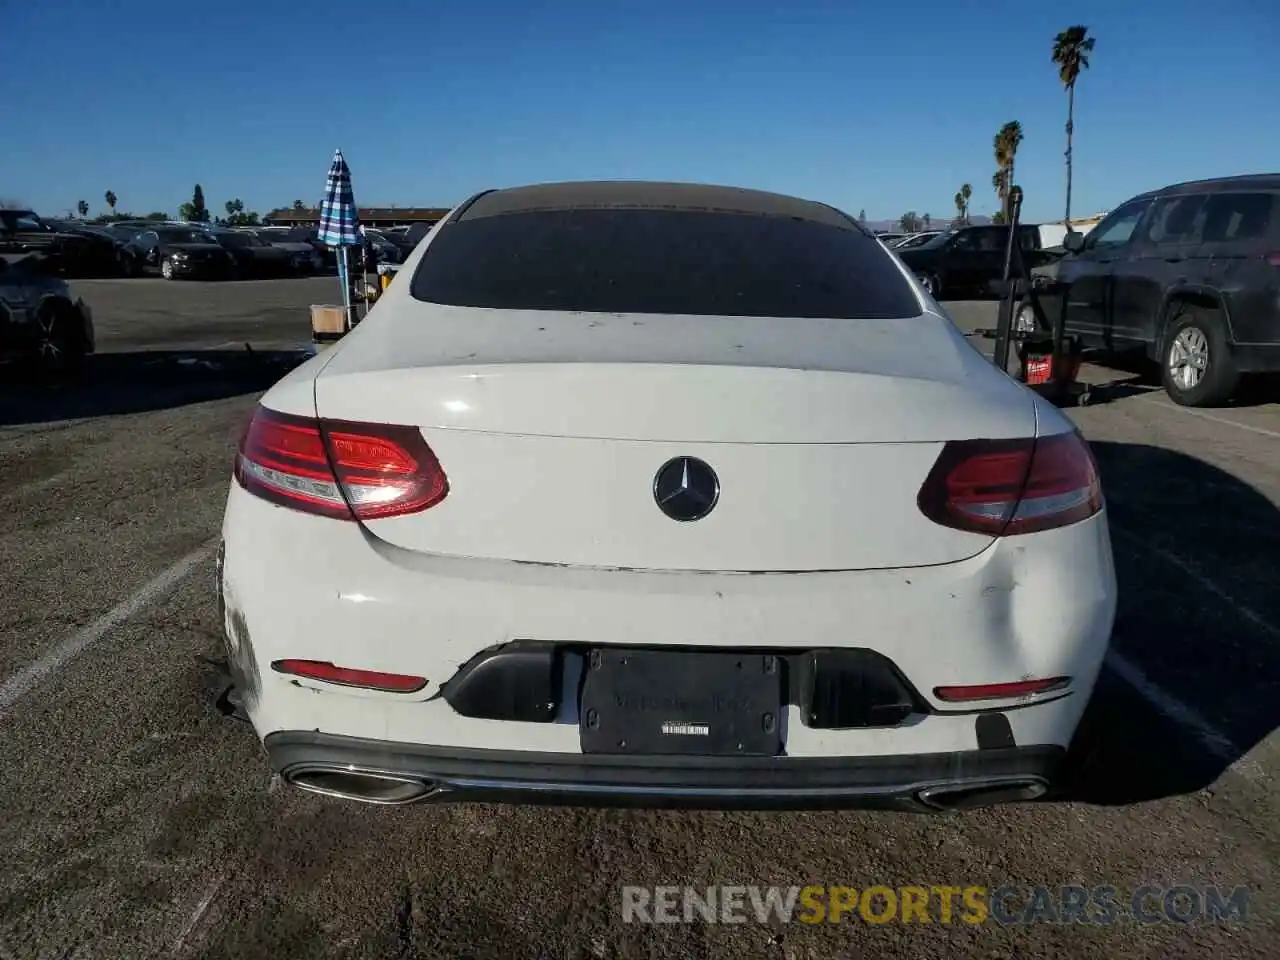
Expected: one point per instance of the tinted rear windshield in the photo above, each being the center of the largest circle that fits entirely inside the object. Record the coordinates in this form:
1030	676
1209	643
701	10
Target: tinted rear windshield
662	261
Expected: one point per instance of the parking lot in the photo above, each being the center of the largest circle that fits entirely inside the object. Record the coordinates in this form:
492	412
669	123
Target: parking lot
139	822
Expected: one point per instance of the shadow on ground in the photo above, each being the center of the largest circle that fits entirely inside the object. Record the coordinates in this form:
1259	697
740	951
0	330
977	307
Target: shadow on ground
1137	375
123	383
1195	552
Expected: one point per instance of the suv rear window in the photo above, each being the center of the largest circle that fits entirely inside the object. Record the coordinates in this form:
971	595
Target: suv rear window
697	262
1238	216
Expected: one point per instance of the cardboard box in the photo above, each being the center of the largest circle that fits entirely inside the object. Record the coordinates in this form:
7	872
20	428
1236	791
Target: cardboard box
327	320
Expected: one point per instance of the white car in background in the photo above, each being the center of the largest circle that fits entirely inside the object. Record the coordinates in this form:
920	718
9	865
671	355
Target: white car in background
662	492
915	239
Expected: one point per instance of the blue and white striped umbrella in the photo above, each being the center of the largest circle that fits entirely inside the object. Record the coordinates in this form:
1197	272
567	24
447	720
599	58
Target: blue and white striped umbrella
339	221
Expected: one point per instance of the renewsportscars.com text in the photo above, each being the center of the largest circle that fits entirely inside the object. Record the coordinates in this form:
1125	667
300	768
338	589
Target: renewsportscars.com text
972	904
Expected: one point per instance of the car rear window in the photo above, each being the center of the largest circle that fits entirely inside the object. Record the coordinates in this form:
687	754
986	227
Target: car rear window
695	262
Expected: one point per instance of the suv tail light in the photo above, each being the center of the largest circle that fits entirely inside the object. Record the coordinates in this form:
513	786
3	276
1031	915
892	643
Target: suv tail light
1007	487
338	469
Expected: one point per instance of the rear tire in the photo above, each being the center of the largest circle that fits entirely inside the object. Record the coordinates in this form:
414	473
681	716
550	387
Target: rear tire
932	285
1196	367
1025	320
60	345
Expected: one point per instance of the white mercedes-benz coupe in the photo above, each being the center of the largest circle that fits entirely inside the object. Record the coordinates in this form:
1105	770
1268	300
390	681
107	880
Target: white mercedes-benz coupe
662	493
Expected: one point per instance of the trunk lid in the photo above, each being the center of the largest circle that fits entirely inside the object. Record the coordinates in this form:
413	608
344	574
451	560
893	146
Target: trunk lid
552	429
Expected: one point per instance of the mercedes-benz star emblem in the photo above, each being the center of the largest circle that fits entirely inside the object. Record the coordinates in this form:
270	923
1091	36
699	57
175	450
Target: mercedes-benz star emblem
686	489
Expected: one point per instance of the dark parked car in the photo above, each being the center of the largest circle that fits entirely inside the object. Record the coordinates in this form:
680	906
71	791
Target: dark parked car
384	247
128	263
307	254
72	254
311	236
127	231
136	226
330	254
375	252
917	239
1187	276
404	240
40	321
970	261
182	252
254	257
413	236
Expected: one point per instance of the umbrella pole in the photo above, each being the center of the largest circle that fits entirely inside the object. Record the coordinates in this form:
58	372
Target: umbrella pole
364	281
345	280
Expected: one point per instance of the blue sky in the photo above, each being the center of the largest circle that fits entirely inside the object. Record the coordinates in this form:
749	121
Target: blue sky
882	106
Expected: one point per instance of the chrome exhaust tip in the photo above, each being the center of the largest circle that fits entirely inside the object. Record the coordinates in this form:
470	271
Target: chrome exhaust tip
365	786
967	796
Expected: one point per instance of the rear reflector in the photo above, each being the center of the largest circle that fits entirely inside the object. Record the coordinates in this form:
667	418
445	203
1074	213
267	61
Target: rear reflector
348	677
1000	691
333	468
1008	487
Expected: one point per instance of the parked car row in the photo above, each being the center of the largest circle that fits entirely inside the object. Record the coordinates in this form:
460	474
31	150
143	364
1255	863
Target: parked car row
197	251
81	252
969	261
175	249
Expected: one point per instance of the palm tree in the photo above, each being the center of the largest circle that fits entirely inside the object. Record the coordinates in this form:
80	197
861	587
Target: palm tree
1071	49
110	197
82	208
1006	146
962	203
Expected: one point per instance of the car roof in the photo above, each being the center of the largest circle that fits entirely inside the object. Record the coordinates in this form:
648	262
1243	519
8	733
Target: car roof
640	194
1252	181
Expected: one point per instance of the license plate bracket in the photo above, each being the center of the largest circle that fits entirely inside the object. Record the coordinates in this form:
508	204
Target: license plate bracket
680	702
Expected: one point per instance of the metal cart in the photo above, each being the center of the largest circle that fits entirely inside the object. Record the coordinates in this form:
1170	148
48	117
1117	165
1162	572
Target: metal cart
1048	360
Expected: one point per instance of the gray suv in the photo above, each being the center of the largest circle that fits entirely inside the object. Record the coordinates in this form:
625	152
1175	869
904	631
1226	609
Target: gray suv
1188	275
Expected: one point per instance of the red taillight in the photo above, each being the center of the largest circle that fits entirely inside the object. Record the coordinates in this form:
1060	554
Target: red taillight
1000	691
1273	259
1007	487
347	471
349	677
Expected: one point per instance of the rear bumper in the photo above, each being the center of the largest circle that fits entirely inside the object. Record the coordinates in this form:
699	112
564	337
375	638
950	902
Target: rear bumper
384	772
297	586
